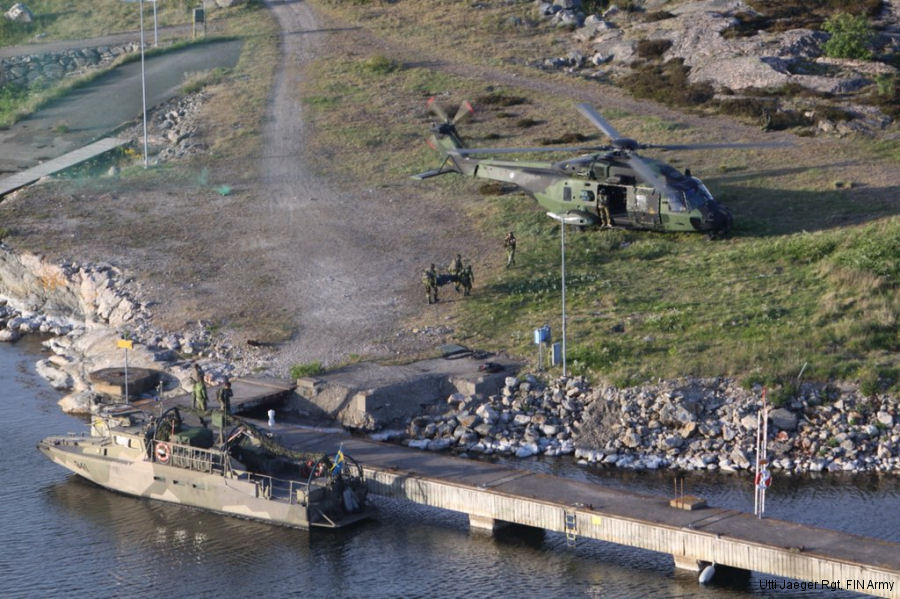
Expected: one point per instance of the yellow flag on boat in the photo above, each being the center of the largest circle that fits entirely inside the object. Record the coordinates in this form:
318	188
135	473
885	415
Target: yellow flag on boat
338	460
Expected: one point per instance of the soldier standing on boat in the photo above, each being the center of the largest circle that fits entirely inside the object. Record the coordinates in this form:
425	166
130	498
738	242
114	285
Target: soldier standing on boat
223	396
198	389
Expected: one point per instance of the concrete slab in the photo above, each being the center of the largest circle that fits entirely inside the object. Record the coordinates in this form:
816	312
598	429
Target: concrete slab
23	178
369	396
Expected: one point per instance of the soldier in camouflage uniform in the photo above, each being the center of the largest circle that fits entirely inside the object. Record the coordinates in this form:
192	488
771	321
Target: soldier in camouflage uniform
429	280
454	269
603	209
466	278
510	244
224	396
198	389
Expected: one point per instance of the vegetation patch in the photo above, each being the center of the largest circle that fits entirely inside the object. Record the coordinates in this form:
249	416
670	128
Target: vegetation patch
666	83
851	36
299	371
652	49
500	98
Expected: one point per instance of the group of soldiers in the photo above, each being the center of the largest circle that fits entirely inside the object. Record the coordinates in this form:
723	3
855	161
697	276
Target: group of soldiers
460	275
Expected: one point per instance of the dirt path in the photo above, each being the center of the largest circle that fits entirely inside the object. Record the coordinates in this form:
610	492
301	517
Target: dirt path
351	259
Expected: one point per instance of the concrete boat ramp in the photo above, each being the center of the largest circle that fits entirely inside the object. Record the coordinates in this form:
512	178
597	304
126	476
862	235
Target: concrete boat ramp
250	393
28	176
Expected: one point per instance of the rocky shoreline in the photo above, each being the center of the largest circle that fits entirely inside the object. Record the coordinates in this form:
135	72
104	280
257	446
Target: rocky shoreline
85	309
690	424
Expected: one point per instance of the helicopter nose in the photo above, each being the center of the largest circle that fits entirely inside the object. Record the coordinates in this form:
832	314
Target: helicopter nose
719	219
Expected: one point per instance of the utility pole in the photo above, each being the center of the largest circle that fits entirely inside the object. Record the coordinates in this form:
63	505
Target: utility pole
562	237
143	86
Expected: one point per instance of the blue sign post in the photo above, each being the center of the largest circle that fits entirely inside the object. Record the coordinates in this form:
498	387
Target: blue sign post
541	336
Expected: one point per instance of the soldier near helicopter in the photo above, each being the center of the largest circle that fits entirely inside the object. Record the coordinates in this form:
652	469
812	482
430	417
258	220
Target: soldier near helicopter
429	281
509	242
603	208
466	278
455	268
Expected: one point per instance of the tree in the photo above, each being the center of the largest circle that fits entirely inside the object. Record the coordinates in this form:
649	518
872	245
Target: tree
850	36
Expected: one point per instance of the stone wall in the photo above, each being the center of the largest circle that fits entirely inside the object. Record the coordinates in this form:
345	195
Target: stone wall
31	69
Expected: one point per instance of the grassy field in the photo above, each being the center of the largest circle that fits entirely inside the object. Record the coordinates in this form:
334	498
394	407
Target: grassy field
807	283
65	20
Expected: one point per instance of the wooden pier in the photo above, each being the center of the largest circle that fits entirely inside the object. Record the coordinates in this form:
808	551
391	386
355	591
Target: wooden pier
492	495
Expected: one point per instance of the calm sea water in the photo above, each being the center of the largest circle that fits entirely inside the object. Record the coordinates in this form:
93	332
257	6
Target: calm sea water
63	536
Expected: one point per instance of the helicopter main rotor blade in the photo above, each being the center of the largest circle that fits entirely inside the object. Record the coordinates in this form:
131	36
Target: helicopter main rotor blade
760	144
467	151
601	123
434	107
464	111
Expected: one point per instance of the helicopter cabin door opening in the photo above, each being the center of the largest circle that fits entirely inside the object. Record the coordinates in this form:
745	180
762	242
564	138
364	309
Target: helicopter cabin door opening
618	202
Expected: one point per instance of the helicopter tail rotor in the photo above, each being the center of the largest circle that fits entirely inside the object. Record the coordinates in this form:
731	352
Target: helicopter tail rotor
437	109
463	113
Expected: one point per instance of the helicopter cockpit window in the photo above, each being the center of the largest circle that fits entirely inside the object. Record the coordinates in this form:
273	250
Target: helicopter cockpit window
586	195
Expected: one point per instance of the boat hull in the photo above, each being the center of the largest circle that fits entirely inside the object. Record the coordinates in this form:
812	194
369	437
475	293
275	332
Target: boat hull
126	470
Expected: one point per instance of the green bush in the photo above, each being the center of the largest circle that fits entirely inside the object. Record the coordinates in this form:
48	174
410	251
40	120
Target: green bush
307	369
850	36
380	65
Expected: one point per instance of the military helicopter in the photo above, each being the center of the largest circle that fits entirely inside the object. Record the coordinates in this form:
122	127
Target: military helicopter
641	193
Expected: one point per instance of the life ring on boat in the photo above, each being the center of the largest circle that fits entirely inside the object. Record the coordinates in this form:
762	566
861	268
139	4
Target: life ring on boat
162	452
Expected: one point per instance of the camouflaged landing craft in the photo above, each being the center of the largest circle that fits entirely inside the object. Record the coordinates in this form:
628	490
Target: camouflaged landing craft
640	193
245	474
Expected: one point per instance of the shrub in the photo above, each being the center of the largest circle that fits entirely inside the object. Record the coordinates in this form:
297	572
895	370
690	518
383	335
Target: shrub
850	36
657	15
564	138
307	369
380	65
500	99
651	49
667	83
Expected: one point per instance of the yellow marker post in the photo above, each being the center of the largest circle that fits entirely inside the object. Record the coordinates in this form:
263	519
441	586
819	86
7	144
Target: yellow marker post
125	344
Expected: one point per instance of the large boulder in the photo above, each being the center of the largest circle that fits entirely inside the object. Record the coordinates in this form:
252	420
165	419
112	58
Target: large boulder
783	419
19	13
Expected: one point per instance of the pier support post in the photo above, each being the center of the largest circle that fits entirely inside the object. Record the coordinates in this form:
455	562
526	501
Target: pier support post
485	524
687	563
